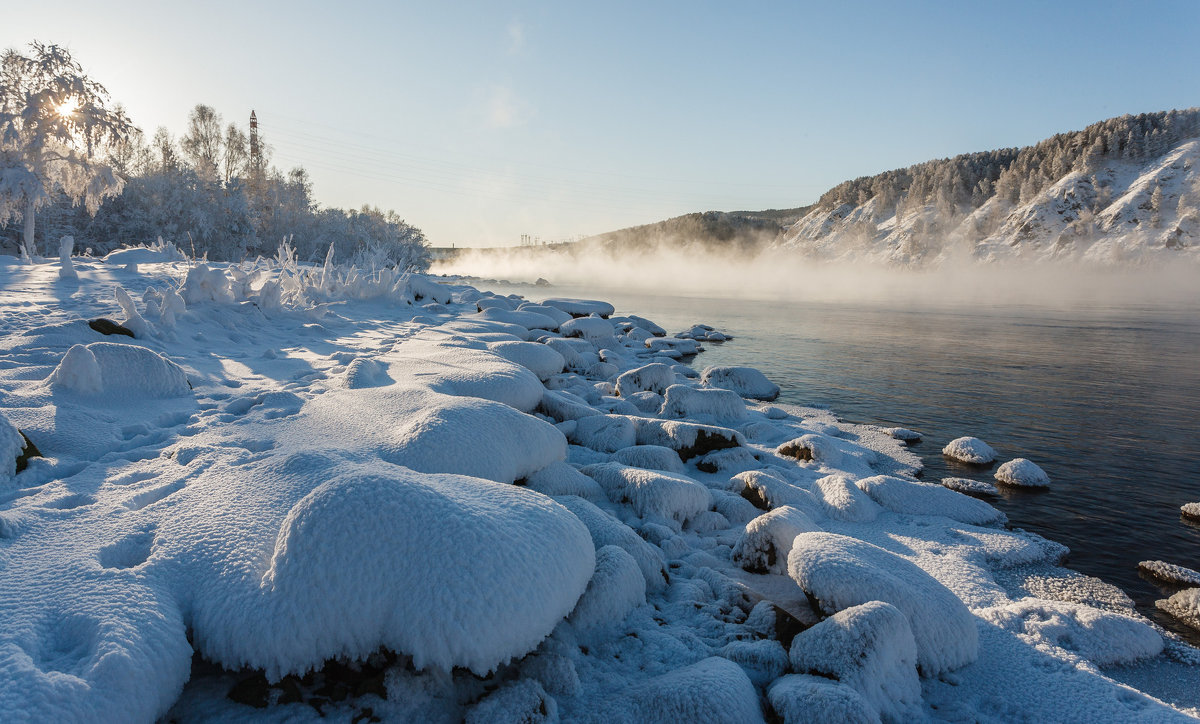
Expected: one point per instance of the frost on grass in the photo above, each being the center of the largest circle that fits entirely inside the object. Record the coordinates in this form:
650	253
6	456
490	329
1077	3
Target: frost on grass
1022	473
969	450
840	572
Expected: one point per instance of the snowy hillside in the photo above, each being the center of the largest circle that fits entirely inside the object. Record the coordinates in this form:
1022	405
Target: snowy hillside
276	492
1124	190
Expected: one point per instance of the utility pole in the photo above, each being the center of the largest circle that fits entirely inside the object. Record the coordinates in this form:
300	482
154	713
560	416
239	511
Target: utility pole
255	151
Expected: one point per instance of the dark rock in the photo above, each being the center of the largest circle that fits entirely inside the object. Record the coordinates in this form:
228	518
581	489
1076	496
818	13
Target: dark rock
251	691
795	449
29	451
109	327
755	496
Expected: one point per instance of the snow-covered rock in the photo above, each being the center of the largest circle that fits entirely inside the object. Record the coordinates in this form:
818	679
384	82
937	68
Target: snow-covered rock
606	433
1170	573
841	572
969	486
903	434
593	328
580	307
869	647
969	450
745	381
650	457
539	359
1184	605
1022	473
655	377
811	446
805	699
1190	511
916	498
651	492
765	543
118	369
842	500
718	406
710	691
616	588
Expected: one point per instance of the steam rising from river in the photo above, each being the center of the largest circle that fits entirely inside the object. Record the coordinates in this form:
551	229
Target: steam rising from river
783	275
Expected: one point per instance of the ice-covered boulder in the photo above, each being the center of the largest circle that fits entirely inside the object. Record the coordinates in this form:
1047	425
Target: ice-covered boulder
1190	511
593	329
523	701
606	433
655	377
969	486
869	647
1022	473
840	572
767	490
804	699
120	369
1101	637
463	371
729	461
903	434
562	479
539	359
811	447
764	545
711	691
651	492
745	381
672	346
616	588
715	405
580	307
915	498
650	457
841	499
528	320
1184	605
554	313
763	661
969	450
688	439
1170	573
607	530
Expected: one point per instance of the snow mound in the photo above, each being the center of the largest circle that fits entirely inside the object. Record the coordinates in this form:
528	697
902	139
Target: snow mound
969	450
728	461
487	569
969	486
764	545
554	313
1184	605
651	492
655	377
745	381
561	479
422	287
206	284
616	588
456	370
528	320
803	699
11	445
843	500
580	307
713	690
539	359
1170	573
767	490
650	457
607	530
814	447
1101	637
593	329
578	354
720	406
144	255
914	498
122	369
362	373
606	433
869	647
763	661
673	347
1022	473
840	572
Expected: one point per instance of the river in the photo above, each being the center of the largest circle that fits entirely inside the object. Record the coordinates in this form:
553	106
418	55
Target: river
1105	399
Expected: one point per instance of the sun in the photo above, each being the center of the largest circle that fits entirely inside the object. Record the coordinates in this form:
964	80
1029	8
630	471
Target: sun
68	107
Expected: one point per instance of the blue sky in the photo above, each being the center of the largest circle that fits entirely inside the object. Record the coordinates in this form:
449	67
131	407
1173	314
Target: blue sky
479	122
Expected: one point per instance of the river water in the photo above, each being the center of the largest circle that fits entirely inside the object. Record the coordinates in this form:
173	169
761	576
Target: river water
1105	399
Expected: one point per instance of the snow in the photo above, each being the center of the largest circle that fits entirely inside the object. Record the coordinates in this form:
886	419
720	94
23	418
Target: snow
870	648
903	434
972	487
1022	473
916	498
804	699
841	572
580	307
301	470
713	690
745	381
593	329
1170	573
969	450
1190	510
1183	605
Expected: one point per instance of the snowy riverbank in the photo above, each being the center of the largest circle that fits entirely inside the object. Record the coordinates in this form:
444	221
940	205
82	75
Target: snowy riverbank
490	512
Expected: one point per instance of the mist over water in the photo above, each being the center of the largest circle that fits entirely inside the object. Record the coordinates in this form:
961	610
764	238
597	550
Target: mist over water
1092	373
778	274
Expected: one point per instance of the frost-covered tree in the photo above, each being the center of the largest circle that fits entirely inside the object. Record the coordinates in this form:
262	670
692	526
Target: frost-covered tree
54	126
201	144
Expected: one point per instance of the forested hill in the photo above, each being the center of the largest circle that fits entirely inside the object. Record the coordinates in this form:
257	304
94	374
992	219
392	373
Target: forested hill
738	230
1121	189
